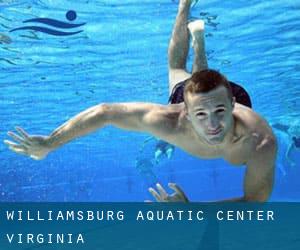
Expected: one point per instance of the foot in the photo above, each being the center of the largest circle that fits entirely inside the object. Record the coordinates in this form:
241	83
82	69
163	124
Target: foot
196	26
185	3
190	2
196	29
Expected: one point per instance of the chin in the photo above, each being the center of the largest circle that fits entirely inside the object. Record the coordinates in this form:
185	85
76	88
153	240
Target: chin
215	139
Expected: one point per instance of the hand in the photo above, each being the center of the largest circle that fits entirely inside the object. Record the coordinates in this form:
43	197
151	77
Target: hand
163	196
33	146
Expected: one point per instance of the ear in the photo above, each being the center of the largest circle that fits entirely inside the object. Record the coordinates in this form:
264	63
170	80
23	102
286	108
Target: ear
233	101
188	116
186	113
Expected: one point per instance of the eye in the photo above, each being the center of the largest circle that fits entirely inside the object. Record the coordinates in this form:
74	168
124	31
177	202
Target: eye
201	114
220	111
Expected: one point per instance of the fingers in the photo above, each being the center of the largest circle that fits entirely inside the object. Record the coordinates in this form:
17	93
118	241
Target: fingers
162	195
162	192
22	138
155	194
20	149
11	144
23	133
177	189
16	137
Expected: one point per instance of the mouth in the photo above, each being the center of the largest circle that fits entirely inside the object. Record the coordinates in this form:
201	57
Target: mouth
215	131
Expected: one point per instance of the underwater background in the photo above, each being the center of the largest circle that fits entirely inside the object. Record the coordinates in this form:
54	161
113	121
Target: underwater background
119	55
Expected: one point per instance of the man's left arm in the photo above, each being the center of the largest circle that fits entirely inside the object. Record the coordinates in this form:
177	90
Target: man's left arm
259	177
258	180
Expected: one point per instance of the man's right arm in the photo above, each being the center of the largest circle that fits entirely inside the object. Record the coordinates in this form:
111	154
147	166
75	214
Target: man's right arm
146	117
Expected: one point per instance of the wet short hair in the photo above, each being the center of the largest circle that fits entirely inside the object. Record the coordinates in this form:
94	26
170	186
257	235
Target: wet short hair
205	81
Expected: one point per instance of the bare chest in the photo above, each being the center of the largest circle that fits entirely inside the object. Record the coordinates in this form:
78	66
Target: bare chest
235	153
238	153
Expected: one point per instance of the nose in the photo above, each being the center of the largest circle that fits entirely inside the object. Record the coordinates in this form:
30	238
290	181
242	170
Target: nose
213	123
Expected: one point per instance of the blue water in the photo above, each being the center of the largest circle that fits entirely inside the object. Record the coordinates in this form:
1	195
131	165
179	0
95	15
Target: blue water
120	56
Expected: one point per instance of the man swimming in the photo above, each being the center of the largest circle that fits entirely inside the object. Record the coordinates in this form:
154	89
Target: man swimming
210	121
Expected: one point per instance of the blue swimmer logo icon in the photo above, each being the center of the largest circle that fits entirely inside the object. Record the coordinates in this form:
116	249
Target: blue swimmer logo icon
71	15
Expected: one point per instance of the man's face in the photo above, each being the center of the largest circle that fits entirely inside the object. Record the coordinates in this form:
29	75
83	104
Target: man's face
210	114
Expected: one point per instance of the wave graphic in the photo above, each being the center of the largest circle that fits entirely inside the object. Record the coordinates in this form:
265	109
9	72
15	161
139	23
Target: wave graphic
70	15
54	23
47	30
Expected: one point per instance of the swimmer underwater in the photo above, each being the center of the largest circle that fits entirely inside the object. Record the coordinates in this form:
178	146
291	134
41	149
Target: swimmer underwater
208	117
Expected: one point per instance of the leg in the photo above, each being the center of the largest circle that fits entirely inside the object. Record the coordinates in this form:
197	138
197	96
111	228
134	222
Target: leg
196	29
179	46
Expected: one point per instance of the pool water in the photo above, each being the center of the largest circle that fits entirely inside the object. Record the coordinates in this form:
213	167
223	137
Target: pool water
120	56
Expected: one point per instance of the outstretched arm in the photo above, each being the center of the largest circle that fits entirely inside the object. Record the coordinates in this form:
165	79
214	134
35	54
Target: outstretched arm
145	117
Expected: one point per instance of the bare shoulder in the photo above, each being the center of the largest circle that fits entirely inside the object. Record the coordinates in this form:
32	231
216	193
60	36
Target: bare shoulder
254	127
166	118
